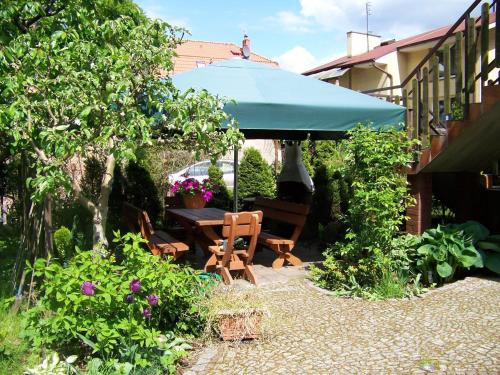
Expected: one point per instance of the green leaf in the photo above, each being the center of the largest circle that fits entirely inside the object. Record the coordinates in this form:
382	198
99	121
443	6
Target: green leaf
444	270
493	262
489	245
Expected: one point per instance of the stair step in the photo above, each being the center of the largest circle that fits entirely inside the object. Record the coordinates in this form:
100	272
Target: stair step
475	111
490	97
455	128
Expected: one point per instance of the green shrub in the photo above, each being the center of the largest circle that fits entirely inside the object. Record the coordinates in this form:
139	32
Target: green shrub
375	162
331	189
255	177
97	302
63	241
221	198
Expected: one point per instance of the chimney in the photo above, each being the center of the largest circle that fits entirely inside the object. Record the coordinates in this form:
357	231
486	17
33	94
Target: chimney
358	43
245	47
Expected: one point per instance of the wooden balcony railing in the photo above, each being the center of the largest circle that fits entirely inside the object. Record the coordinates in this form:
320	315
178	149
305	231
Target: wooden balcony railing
423	115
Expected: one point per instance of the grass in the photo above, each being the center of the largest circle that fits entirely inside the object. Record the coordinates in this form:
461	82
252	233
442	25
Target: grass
15	354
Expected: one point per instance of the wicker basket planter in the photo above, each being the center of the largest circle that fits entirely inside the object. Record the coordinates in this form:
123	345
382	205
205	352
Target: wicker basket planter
240	325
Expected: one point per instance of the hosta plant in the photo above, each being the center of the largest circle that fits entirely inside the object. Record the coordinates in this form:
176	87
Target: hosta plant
445	249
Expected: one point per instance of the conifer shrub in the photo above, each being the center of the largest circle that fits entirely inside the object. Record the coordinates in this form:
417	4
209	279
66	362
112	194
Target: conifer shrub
221	198
255	177
63	240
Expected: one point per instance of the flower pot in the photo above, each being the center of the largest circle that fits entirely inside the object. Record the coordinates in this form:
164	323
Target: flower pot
240	325
193	201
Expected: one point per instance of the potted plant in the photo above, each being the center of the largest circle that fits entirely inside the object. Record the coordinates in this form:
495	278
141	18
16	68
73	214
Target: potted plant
194	194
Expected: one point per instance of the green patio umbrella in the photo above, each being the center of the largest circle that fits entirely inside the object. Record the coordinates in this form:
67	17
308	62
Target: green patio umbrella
276	104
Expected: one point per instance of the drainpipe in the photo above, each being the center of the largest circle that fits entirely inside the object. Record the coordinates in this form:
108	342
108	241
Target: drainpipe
388	75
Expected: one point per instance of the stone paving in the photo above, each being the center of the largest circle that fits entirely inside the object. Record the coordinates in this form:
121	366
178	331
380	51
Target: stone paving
451	330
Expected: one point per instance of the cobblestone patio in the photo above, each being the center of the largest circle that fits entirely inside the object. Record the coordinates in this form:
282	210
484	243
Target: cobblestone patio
452	330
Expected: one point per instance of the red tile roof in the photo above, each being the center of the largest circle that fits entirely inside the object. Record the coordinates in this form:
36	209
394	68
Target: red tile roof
192	52
377	52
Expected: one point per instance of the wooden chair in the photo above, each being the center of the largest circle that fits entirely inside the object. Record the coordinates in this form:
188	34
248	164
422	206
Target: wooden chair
292	214
226	258
159	242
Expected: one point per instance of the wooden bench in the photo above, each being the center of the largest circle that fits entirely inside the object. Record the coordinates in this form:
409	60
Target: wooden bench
159	242
293	214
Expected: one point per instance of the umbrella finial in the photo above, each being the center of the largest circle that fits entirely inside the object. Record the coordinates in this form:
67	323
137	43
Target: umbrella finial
245	46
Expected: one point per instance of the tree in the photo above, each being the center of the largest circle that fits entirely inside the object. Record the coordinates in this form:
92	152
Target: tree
80	79
255	177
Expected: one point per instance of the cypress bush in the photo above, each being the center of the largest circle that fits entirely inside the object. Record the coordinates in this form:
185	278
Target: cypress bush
63	240
221	199
255	177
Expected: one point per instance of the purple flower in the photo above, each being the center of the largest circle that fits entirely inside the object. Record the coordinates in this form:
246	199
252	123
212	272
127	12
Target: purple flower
129	298
146	312
207	196
153	300
88	288
135	285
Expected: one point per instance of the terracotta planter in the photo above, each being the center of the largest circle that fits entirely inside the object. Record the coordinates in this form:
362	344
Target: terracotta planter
193	201
240	325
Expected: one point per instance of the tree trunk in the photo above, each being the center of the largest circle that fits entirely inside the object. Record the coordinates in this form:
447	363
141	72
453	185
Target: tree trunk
47	225
101	211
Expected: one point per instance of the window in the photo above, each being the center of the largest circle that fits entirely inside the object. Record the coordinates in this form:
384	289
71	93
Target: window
227	167
453	68
199	169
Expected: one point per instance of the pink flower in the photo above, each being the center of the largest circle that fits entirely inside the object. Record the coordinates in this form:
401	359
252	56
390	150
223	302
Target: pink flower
207	196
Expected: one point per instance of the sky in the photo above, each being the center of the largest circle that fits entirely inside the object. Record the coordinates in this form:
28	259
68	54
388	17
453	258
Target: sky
301	34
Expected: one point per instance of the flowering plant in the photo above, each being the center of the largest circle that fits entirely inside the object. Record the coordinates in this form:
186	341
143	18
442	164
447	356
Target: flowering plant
191	186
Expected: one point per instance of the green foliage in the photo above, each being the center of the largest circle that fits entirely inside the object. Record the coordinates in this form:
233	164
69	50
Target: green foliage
331	190
53	365
106	323
375	162
63	240
221	198
445	249
255	176
80	79
307	156
489	248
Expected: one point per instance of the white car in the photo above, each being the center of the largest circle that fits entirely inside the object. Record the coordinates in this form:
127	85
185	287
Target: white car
199	171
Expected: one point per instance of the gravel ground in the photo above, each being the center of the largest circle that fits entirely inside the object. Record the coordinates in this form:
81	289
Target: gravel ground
451	330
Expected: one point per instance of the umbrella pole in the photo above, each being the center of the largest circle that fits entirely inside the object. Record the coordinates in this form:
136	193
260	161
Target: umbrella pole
235	180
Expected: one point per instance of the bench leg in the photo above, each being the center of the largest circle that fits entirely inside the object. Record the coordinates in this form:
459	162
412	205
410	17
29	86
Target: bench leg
250	276
226	276
211	263
284	253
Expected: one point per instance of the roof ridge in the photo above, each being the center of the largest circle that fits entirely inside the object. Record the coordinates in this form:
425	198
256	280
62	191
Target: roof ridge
389	47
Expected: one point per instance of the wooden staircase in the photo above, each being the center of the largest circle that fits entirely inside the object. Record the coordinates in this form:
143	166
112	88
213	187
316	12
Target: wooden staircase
482	145
454	154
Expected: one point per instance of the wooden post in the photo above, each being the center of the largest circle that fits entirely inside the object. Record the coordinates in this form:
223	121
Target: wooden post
435	90
405	98
471	55
414	96
497	40
425	108
447	78
397	100
485	41
458	67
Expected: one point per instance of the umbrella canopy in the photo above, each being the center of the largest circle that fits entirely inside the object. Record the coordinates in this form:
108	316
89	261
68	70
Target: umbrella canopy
276	104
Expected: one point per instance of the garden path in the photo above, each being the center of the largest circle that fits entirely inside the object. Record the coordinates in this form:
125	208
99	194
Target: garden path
451	330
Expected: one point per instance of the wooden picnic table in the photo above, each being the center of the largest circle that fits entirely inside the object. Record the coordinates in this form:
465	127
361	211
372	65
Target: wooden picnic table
199	224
